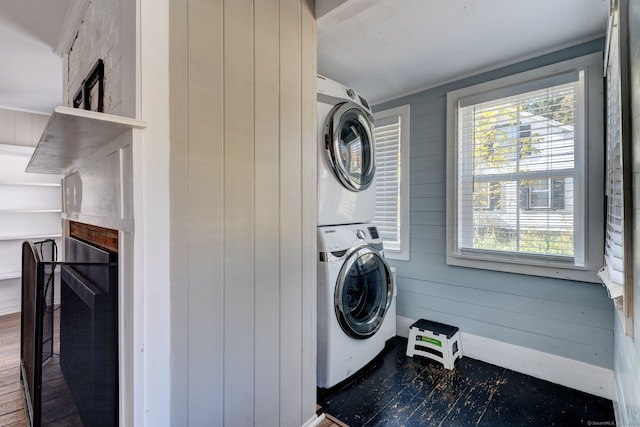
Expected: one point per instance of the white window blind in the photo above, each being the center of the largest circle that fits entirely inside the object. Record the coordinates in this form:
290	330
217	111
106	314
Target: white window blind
525	187
392	216
613	272
523	145
388	181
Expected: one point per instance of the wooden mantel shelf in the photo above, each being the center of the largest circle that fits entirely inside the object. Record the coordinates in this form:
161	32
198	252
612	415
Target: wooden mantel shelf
73	135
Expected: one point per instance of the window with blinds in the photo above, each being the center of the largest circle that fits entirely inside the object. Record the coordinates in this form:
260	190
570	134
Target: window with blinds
522	187
392	180
520	149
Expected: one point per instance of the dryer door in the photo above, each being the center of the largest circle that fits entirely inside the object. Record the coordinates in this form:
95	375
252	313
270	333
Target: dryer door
363	292
349	146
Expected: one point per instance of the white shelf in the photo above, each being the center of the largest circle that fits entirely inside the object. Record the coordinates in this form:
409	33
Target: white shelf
15	150
73	135
26	211
29	184
32	237
10	275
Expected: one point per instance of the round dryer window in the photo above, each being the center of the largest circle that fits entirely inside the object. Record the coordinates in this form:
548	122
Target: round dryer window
363	292
349	146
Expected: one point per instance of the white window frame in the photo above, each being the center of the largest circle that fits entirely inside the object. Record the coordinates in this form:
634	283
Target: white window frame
589	174
404	113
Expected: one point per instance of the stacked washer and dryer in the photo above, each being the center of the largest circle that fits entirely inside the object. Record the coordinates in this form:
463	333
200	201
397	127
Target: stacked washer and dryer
356	288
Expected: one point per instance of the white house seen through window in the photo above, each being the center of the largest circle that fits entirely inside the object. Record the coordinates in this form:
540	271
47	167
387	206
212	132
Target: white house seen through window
519	153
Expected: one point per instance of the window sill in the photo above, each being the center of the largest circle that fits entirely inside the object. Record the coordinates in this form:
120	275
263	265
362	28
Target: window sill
396	256
616	293
554	271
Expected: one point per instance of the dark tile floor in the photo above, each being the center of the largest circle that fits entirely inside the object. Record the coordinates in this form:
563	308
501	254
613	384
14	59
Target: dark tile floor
396	390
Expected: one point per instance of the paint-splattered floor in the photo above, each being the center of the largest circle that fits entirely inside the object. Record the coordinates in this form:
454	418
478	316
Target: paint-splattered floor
400	391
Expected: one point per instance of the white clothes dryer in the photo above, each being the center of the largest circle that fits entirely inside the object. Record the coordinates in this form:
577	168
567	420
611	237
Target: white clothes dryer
346	156
355	289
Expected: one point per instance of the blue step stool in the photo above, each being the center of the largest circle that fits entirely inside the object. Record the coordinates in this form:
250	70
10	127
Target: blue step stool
435	341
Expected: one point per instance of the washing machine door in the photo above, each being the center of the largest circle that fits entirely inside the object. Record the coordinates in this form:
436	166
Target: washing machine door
364	289
349	146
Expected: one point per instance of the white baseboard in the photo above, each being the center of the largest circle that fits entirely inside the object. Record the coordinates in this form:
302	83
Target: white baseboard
549	367
314	421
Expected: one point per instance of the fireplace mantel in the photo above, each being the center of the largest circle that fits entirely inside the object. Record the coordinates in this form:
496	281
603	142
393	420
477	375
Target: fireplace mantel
73	135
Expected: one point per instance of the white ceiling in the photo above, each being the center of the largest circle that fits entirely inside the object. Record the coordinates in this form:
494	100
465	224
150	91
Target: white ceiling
387	48
381	48
31	74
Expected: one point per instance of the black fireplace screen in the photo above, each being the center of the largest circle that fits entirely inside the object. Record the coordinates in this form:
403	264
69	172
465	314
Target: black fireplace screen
36	327
69	340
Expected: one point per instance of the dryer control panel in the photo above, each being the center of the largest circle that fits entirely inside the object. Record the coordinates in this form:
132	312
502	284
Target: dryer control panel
342	237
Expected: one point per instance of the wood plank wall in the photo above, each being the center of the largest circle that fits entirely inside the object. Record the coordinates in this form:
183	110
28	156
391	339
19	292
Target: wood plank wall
560	317
243	163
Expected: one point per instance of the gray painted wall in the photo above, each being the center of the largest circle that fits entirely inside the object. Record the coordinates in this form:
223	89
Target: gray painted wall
564	318
626	362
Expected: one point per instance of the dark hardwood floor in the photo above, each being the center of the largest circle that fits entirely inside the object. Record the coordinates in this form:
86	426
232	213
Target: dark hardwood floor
57	404
397	390
11	409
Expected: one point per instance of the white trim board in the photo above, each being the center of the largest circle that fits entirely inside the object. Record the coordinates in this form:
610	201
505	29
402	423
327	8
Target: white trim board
549	367
314	421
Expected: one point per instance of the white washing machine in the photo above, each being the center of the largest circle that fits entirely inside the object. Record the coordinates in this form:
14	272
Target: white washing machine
355	288
346	157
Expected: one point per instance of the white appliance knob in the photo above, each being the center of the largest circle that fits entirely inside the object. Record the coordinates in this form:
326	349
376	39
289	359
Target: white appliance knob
361	234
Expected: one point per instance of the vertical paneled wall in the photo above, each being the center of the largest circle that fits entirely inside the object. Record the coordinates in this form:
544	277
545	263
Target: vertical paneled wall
627	349
560	317
21	127
243	209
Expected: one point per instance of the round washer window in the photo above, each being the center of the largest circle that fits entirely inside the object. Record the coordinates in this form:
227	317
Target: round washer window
350	146
363	293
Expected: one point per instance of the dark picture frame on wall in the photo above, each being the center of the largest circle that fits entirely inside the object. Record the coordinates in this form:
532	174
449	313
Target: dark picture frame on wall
90	94
78	98
94	88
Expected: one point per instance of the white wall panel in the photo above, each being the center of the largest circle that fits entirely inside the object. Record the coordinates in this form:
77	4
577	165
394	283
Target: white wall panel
183	280
6	126
238	267
308	165
38	197
243	212
11	296
267	208
20	127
